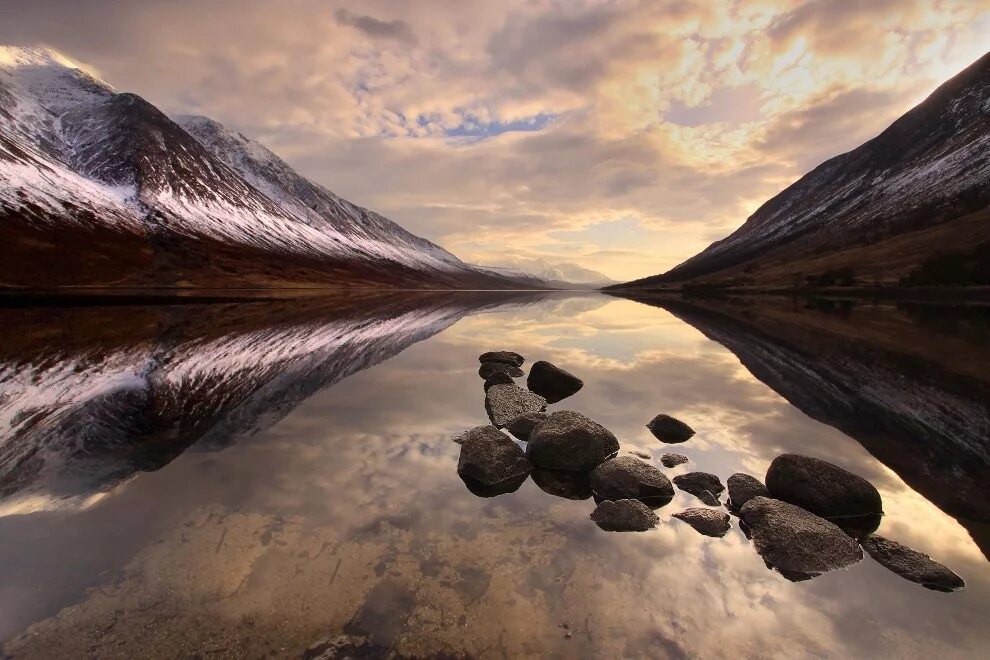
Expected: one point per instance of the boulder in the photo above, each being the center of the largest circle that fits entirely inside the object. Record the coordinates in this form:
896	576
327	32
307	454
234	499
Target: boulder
490	457
505	403
670	430
498	378
628	478
488	368
523	426
706	521
551	382
796	542
911	564
561	483
673	460
624	516
703	485
743	488
568	440
826	490
507	357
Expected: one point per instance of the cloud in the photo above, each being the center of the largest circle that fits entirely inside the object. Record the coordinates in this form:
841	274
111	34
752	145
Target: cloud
481	125
377	29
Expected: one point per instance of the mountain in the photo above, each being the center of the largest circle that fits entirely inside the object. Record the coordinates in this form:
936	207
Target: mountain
910	383
100	188
560	275
90	396
909	206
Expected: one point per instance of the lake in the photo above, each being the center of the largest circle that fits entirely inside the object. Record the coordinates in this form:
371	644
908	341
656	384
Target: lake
278	478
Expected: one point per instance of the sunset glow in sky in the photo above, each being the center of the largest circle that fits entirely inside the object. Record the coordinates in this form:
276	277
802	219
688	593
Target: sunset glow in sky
624	136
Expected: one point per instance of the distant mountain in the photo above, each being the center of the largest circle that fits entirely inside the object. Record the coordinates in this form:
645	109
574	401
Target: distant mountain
100	188
910	205
559	275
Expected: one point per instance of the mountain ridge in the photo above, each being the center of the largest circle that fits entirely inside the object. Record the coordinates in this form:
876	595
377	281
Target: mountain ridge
929	168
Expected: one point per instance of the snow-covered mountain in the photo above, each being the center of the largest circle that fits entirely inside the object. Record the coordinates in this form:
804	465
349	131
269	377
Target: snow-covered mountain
885	212
99	187
107	392
557	274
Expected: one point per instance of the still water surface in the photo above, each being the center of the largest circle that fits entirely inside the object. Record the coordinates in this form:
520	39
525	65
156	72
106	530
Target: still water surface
247	480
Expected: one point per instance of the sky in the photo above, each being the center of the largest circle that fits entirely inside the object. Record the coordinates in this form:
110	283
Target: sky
624	136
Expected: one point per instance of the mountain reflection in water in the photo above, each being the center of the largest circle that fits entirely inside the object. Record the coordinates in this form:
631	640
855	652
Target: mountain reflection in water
185	480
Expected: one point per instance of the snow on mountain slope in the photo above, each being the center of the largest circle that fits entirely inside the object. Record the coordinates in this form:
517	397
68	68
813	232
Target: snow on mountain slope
929	167
80	418
559	273
210	209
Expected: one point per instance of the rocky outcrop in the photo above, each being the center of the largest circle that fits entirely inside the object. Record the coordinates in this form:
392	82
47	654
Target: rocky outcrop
523	425
826	490
568	440
796	542
673	460
670	430
508	357
505	403
626	477
912	565
705	486
743	488
490	459
624	516
551	382
706	521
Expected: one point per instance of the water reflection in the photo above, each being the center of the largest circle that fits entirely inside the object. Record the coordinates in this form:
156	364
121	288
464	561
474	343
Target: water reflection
340	519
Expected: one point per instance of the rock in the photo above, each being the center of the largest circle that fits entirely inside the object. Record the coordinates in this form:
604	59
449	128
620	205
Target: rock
670	430
523	426
506	357
505	403
706	487
498	378
561	483
645	455
826	490
912	565
743	488
706	521
488	368
673	460
624	516
490	457
628	478
551	382
568	440
479	489
796	542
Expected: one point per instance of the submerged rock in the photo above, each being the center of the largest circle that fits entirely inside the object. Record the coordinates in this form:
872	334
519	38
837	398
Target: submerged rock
505	403
706	521
498	378
743	488
490	457
827	490
523	426
551	382
796	542
562	483
645	455
673	460
624	516
568	440
912	565
626	477
507	357
488	368
670	430
703	485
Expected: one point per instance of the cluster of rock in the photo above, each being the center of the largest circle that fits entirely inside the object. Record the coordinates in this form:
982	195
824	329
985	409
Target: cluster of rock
808	518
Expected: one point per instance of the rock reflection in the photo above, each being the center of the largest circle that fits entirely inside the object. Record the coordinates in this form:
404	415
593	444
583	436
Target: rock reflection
92	395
